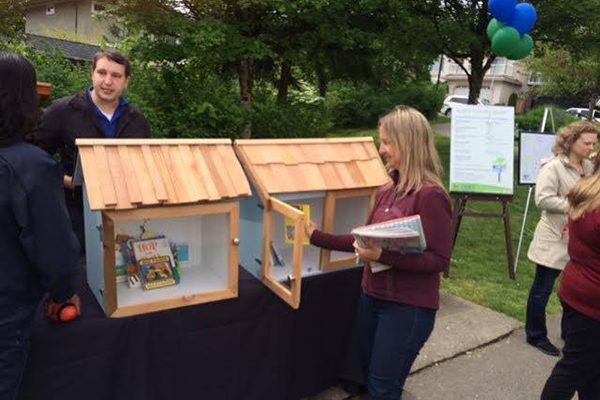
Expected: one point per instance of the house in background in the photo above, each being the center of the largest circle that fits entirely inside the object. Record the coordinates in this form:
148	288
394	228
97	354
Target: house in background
504	78
71	20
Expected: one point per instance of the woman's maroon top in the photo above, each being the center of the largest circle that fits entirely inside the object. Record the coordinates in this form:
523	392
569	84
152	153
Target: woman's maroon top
414	278
580	284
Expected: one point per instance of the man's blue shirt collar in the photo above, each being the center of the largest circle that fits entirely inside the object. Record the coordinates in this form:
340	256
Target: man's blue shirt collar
109	128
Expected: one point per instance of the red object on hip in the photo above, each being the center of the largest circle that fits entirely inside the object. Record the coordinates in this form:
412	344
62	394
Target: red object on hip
64	312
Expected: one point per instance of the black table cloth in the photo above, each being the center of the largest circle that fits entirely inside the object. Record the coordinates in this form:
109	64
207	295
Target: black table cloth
251	347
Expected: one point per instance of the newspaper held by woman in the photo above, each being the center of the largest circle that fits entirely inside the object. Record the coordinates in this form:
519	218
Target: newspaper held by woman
404	235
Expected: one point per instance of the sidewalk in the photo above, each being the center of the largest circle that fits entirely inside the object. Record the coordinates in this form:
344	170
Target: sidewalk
475	353
442	129
508	369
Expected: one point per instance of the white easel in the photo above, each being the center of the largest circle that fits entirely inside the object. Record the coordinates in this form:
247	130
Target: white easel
547	112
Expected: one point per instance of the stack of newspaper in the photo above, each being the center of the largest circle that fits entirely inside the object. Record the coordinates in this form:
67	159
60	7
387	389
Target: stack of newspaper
404	235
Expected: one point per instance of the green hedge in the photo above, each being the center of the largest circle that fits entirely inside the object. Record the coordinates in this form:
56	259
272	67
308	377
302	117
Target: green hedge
532	120
288	120
361	105
66	77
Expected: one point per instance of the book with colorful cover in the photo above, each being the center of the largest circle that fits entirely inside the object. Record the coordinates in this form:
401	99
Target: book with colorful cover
156	262
404	235
289	227
157	272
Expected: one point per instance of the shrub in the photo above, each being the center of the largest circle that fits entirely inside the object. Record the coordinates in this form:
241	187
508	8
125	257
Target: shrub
288	120
65	76
361	105
532	121
179	102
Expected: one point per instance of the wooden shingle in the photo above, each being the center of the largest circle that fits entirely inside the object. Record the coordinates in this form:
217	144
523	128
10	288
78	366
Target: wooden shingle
128	173
306	165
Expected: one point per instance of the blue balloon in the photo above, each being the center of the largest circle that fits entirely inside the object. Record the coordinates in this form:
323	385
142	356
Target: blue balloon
502	10
524	18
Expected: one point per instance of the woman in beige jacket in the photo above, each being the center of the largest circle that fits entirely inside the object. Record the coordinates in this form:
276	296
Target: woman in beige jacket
548	249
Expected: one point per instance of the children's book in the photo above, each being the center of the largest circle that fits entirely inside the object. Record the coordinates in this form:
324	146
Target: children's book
156	262
157	272
404	235
152	247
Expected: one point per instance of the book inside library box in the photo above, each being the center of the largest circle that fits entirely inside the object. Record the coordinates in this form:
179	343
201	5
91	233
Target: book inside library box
169	237
329	181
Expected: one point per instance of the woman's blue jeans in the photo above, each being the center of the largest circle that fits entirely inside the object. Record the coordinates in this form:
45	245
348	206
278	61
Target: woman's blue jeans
541	289
390	336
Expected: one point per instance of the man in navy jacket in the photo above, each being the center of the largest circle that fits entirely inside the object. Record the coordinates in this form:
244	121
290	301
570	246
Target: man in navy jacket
101	112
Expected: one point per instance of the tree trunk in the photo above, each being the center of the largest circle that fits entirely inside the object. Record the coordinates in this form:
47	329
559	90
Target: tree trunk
284	82
322	77
591	106
475	82
246	79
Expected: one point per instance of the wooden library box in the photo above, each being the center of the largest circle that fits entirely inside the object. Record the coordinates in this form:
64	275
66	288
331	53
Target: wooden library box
161	221
331	181
43	91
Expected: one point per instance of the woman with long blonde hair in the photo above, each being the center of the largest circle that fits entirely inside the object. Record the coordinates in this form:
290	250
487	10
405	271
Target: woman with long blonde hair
398	305
579	369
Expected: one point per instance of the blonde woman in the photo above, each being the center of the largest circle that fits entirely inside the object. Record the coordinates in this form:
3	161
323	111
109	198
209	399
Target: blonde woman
579	369
398	306
548	249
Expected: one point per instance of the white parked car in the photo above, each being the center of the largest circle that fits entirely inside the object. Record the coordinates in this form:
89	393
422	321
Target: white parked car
582	113
457	99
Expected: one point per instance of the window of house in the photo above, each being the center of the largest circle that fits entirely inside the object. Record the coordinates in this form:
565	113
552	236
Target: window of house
50	9
498	66
97	7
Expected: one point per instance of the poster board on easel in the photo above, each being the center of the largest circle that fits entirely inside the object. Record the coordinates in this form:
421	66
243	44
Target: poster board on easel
534	147
482	150
481	164
529	169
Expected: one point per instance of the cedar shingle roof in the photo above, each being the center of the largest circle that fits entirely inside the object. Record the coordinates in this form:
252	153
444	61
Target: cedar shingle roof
130	173
305	165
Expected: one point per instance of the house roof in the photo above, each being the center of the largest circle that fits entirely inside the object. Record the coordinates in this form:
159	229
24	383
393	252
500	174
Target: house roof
72	50
306	165
32	3
129	173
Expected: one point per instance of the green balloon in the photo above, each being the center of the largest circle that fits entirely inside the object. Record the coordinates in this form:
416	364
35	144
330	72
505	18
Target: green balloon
522	49
504	41
493	26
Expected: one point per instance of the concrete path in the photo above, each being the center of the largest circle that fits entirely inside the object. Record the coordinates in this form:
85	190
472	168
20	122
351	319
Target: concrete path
474	353
507	369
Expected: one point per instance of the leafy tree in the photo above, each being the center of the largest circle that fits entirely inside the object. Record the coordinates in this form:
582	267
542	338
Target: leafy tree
12	22
567	74
568	25
456	29
262	40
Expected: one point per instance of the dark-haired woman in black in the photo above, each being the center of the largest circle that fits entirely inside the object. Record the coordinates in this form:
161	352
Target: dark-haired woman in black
38	250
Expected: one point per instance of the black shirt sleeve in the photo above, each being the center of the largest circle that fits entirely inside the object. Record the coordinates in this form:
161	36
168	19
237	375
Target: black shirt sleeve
46	234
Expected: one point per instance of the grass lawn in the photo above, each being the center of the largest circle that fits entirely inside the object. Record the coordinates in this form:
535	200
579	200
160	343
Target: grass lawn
478	270
440	119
